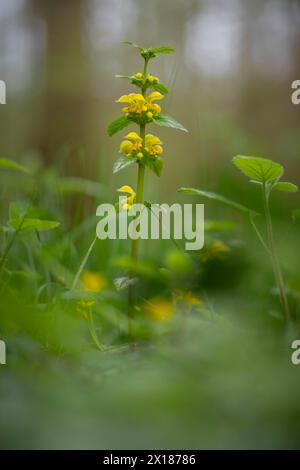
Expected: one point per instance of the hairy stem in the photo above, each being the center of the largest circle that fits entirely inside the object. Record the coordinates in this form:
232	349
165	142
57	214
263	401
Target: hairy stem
274	258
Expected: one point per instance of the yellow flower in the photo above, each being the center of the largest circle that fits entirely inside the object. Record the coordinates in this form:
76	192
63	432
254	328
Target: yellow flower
188	298
139	75
126	147
216	250
160	309
133	144
154	96
138	104
93	282
129	200
153	145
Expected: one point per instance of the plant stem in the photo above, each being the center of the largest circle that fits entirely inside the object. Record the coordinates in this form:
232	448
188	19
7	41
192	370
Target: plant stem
273	254
10	244
139	200
83	263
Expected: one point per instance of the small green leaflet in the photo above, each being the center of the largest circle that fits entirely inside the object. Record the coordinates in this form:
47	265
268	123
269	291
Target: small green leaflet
168	121
33	224
160	87
258	169
123	76
162	50
152	50
286	187
118	124
218	198
130	43
6	164
122	162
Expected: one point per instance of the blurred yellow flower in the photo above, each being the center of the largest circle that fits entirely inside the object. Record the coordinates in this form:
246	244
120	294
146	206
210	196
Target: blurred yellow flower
188	298
93	282
160	309
216	250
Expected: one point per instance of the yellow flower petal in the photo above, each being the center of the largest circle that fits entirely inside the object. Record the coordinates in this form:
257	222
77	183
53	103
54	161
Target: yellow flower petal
154	96
126	147
133	136
152	140
126	189
158	149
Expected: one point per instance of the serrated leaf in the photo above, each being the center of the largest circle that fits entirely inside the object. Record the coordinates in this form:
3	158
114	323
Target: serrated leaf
122	162
218	198
162	50
258	169
160	87
286	187
168	121
155	164
6	164
33	224
118	125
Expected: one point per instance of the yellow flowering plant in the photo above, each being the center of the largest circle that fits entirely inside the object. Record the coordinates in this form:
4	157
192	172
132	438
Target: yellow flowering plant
142	148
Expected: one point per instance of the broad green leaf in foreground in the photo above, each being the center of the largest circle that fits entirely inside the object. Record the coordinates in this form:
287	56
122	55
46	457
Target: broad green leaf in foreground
118	124
122	162
218	198
6	164
168	121
33	224
286	187
258	169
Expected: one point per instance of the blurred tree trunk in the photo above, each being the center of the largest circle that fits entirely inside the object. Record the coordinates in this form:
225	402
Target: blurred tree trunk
65	103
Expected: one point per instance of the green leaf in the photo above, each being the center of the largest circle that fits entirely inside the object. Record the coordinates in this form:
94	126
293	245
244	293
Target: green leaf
258	169
162	50
33	224
123	76
130	43
168	121
286	187
72	184
160	87
6	164
118	124
18	209
122	162
155	164
218	198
